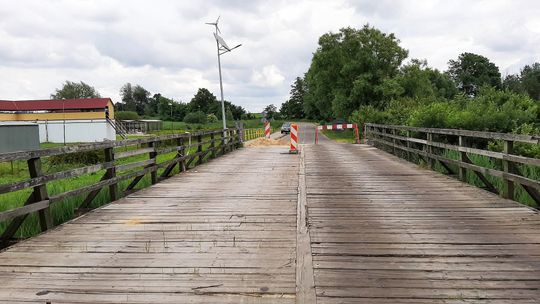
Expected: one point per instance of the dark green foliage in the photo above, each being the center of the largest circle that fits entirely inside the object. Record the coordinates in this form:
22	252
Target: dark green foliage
270	112
126	115
198	117
471	72
350	68
294	107
73	90
86	158
530	79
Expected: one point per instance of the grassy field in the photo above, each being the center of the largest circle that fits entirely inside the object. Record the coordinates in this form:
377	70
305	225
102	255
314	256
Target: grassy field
181	127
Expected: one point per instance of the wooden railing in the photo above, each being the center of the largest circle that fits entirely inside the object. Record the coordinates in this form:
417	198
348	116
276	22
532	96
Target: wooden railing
185	150
432	145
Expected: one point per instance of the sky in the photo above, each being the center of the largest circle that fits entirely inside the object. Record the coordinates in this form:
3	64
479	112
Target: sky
166	47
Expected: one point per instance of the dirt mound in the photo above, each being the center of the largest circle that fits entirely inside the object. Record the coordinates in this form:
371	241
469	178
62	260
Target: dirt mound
265	142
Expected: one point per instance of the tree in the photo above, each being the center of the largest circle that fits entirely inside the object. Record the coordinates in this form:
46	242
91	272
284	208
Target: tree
530	80
128	102
471	71
73	90
270	112
294	106
513	83
205	102
348	69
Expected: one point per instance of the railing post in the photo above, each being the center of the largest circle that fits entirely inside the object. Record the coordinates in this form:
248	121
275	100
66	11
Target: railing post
223	134
393	141
462	158
199	149
182	153
111	173
40	193
430	149
153	155
212	145
508	185
408	145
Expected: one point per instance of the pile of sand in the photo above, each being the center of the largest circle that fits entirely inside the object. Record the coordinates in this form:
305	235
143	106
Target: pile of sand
265	142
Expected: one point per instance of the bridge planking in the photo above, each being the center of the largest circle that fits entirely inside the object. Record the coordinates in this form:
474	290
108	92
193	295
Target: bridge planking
385	231
378	230
224	232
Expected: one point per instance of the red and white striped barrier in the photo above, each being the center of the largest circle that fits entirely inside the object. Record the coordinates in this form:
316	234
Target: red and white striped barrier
338	127
267	129
294	139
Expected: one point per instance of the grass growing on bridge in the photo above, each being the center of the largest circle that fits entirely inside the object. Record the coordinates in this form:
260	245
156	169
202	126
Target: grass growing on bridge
344	136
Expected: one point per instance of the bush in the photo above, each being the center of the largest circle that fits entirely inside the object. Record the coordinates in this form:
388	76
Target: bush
195	117
211	118
126	115
86	158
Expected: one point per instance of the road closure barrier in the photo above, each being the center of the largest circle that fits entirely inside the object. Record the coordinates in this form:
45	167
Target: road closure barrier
294	139
336	127
267	129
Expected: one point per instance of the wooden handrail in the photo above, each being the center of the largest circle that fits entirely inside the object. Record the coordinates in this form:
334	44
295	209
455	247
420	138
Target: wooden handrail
114	171
399	138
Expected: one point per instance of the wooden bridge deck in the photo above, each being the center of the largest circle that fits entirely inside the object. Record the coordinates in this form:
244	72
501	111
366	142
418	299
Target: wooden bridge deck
377	230
224	232
384	231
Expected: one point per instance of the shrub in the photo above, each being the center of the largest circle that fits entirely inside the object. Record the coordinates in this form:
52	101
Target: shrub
211	118
195	117
126	115
86	158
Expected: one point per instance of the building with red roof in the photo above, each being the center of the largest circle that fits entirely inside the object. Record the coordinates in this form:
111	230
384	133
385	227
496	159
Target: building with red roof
64	120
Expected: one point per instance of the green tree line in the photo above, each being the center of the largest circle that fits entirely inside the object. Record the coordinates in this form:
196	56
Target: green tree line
138	102
365	75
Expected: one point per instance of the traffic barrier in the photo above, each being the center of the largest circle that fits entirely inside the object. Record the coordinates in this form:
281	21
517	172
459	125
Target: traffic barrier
294	139
338	127
267	129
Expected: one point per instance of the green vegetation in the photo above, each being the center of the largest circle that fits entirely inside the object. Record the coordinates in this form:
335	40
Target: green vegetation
345	136
360	75
126	115
72	90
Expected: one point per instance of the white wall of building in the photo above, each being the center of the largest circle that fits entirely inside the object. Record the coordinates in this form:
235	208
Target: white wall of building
70	131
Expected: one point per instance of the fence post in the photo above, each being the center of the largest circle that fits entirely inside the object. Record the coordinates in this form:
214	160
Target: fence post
153	155
212	145
40	193
462	158
111	173
393	141
223	134
508	185
199	149
430	149
182	151
408	145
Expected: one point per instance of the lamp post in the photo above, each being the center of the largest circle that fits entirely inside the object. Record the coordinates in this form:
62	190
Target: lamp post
222	48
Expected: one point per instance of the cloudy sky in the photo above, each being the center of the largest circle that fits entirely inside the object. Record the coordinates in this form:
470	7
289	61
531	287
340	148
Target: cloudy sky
166	47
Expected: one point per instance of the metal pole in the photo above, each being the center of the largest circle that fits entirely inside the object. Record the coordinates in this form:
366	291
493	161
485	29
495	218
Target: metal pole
221	86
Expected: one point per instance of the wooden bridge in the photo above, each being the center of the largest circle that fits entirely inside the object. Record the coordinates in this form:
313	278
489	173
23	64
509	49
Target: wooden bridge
338	223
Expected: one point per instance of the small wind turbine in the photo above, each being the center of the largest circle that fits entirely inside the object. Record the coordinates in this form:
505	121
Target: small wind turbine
222	48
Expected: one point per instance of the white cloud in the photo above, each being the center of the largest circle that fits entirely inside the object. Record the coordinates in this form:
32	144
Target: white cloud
165	46
269	76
